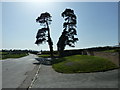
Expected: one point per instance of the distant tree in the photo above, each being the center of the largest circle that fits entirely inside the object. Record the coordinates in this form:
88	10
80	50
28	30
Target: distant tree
43	34
69	32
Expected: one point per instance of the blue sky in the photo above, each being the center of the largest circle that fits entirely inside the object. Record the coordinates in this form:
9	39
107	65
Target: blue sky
1	25
97	23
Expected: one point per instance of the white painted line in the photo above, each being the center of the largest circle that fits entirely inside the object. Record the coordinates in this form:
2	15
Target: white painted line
34	77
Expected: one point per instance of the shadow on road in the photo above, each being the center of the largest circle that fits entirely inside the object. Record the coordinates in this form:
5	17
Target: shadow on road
37	63
43	61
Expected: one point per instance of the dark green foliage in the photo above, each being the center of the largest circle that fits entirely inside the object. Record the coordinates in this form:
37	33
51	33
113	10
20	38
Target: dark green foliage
69	32
43	18
43	34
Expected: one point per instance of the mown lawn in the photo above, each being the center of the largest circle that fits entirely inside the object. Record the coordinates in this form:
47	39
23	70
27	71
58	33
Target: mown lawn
82	64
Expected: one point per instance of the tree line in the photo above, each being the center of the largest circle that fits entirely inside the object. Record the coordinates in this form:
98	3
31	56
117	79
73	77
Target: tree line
68	35
80	51
15	51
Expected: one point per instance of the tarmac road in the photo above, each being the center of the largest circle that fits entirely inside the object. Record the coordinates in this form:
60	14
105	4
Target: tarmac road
48	78
19	73
16	71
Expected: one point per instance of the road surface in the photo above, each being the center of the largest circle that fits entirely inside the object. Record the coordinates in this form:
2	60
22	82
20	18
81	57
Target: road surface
18	73
48	78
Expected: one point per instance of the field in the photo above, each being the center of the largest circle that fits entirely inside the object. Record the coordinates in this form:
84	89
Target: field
5	55
82	64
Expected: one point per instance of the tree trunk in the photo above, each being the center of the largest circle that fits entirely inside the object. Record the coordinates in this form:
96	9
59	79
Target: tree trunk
50	43
62	40
50	46
61	45
61	52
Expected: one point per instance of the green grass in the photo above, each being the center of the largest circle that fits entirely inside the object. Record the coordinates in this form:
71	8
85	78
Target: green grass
46	55
5	55
82	64
114	50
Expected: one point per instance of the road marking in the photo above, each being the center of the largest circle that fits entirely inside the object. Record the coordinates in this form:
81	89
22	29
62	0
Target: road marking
34	78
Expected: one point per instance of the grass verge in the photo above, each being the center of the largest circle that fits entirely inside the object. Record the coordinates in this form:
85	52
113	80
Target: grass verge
82	64
47	55
5	56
